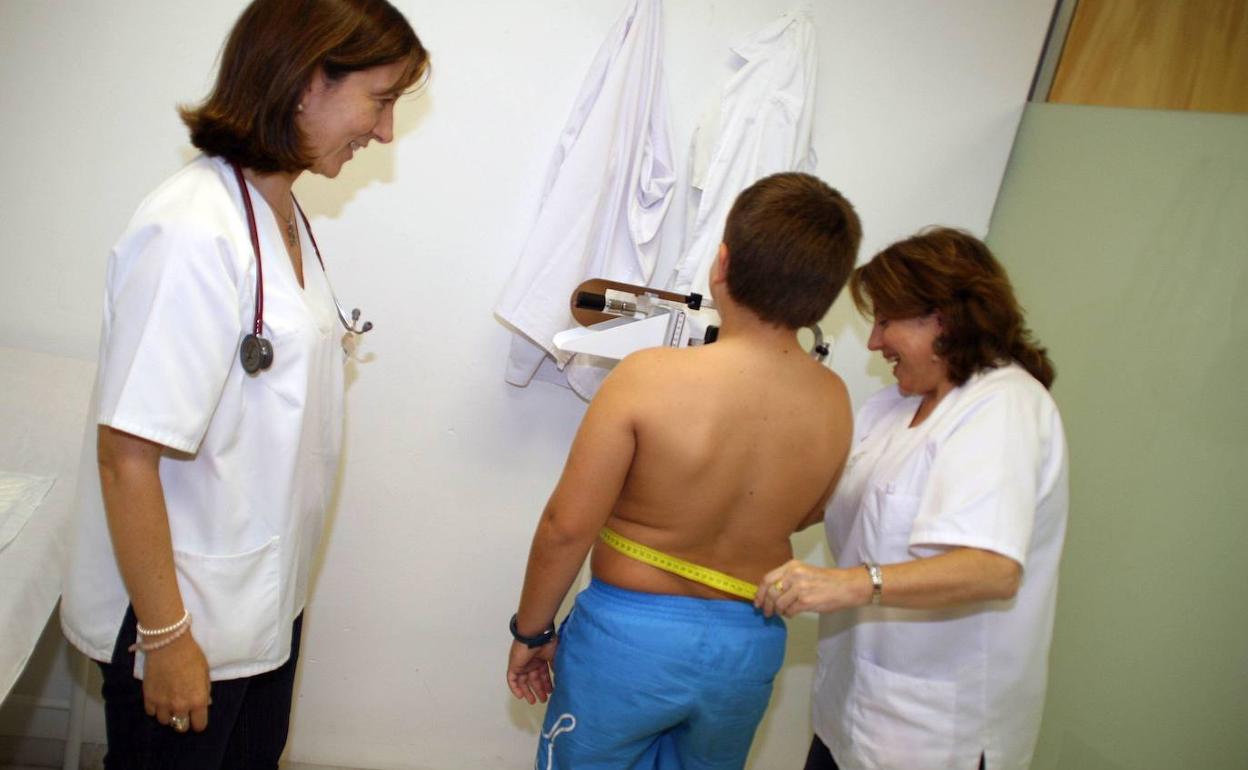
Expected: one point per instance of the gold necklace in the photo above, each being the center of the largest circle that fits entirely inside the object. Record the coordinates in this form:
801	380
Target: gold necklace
292	233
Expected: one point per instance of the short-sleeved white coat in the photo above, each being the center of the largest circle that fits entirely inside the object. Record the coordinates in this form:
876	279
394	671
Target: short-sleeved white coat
251	459
935	688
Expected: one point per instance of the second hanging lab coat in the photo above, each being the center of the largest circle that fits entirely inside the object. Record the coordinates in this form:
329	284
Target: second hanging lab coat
607	191
760	125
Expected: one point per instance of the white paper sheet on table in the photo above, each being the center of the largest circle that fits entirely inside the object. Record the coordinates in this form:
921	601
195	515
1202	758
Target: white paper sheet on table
20	495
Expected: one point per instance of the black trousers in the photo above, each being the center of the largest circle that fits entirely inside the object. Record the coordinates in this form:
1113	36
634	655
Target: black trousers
820	758
247	721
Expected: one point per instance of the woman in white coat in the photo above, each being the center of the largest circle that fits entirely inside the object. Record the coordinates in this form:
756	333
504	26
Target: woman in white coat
218	399
947	527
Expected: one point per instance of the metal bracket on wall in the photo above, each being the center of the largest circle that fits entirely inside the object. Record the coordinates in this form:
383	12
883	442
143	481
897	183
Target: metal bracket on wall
1054	44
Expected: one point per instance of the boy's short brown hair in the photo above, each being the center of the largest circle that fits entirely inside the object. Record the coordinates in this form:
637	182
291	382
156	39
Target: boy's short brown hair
792	241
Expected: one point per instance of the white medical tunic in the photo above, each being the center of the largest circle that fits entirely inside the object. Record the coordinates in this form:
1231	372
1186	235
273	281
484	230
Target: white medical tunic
927	689
251	459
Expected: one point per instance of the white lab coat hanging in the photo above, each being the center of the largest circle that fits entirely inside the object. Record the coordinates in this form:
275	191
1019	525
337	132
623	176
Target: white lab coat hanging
761	125
607	191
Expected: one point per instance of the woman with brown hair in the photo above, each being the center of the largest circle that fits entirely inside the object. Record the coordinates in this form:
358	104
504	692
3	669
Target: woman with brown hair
947	525
218	400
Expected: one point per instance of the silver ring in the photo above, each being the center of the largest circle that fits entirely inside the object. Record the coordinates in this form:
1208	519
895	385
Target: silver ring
179	722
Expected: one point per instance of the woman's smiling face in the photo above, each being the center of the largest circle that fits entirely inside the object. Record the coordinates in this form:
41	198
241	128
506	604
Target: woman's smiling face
909	345
341	116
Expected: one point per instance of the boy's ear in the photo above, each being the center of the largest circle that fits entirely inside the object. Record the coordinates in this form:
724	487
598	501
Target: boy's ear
719	270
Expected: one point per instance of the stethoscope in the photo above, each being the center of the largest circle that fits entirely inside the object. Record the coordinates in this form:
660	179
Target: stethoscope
255	352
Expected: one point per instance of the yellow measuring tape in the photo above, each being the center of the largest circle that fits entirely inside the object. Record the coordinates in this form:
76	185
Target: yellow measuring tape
686	569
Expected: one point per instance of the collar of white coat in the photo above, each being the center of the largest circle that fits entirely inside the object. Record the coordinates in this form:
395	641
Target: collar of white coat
760	43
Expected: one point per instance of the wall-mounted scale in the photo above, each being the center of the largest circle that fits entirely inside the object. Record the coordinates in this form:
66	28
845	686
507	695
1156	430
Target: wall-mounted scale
619	318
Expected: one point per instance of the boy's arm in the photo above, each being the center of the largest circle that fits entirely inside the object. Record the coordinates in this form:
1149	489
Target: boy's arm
844	422
583	500
816	514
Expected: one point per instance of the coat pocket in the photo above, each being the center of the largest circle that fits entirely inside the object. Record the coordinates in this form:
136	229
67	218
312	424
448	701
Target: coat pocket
234	602
901	720
286	378
887	523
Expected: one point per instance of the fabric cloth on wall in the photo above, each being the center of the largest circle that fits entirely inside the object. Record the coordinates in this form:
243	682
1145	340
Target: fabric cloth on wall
607	191
760	125
20	496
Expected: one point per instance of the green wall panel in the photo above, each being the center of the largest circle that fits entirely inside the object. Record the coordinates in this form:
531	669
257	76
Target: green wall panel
1126	235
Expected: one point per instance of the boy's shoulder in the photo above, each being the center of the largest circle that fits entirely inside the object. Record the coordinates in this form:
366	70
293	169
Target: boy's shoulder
660	364
656	373
665	369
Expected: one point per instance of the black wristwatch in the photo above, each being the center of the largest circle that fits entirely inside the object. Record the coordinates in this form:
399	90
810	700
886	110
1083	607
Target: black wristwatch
542	639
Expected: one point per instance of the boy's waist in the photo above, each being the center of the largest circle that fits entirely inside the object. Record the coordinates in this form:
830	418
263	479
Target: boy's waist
698	611
626	562
684	638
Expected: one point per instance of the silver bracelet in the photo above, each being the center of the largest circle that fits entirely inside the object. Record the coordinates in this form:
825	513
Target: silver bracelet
877	580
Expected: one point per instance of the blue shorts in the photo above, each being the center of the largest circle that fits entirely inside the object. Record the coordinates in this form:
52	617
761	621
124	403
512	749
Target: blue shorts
658	681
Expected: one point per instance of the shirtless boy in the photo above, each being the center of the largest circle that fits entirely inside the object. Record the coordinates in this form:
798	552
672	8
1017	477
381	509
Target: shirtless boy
713	454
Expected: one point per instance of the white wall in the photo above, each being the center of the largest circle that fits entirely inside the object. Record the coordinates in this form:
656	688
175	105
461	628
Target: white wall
446	467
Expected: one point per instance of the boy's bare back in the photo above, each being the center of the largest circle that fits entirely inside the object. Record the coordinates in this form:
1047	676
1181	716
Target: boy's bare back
714	454
737	445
